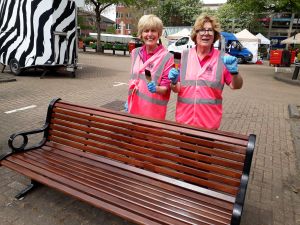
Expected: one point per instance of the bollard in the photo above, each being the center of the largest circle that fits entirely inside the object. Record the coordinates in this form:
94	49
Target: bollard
296	71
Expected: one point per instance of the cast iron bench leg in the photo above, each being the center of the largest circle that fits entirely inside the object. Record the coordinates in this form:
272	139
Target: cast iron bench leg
3	68
296	72
31	186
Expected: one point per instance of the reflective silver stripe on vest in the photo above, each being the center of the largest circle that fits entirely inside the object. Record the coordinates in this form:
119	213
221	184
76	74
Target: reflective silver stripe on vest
200	101
161	67
213	84
219	71
149	99
184	57
159	70
205	83
136	53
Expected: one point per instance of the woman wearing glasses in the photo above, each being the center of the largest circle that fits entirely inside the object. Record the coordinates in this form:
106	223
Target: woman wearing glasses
203	73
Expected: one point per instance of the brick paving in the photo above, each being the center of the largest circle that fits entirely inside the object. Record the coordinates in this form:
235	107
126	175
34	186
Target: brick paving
261	107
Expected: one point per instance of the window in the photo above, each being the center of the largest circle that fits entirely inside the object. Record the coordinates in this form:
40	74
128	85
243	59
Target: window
118	27
182	41
119	15
128	26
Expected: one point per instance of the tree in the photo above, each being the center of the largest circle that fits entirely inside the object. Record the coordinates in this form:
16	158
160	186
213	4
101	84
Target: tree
179	12
246	13
98	6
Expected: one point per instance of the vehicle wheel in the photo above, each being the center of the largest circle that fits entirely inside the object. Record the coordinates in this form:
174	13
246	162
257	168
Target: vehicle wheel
15	67
240	60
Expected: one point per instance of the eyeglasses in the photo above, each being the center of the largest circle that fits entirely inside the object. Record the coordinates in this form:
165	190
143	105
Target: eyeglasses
203	31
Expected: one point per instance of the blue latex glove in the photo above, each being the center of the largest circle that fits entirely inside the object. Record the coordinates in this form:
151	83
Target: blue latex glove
126	106
151	87
231	63
173	75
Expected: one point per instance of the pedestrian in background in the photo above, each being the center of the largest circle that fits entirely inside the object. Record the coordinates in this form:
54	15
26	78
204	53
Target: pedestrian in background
203	73
149	95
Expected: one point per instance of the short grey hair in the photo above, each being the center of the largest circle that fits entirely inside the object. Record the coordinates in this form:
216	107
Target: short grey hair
149	22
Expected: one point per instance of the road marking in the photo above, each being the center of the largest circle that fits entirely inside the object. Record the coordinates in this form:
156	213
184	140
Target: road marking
20	109
119	84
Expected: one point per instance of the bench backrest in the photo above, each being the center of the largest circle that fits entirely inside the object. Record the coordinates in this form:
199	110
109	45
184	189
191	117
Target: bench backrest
209	159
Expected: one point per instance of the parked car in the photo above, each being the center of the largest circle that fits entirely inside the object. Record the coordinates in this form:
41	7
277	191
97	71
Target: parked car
232	47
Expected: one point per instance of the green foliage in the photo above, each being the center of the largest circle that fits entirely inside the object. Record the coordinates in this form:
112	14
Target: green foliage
235	16
89	40
239	14
111	30
258	6
100	5
179	12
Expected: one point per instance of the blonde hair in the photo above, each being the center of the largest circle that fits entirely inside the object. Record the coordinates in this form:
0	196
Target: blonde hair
149	22
199	24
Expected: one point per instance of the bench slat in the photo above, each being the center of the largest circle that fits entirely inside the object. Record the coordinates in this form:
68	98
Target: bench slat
112	196
89	134
79	117
128	183
215	135
145	176
163	203
80	195
145	162
149	140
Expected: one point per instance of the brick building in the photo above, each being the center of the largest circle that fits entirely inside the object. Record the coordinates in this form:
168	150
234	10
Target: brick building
87	22
127	19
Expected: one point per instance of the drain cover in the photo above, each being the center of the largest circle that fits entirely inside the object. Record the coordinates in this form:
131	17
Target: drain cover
117	105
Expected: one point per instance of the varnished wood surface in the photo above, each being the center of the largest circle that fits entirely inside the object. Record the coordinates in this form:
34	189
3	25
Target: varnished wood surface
147	171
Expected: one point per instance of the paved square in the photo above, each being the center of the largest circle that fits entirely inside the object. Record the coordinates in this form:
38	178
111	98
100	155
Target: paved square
260	107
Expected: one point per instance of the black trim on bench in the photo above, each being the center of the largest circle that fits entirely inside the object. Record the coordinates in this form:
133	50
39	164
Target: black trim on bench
25	134
34	184
240	199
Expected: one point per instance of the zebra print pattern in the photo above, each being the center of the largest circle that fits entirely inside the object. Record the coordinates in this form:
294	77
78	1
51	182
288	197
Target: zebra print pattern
38	32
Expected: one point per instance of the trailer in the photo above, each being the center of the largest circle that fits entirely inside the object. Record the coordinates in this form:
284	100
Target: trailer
38	34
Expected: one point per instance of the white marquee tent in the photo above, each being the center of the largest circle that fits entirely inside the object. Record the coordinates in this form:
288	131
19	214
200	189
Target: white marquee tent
263	39
292	40
250	42
182	33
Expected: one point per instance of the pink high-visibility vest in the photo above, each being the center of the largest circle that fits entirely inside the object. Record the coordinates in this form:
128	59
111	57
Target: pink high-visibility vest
199	100
140	100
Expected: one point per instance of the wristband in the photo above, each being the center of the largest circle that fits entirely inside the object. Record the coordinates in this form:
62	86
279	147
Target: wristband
234	73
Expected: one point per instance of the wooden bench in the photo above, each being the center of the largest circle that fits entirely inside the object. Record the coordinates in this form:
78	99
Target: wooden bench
146	171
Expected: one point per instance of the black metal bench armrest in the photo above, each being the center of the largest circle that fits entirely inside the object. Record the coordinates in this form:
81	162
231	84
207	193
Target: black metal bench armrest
25	135
23	147
240	199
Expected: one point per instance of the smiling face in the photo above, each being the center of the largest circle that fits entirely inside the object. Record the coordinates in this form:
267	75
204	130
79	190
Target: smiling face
149	30
206	27
150	38
205	35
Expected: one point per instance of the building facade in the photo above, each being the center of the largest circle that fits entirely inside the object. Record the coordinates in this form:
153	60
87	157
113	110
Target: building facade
127	19
87	23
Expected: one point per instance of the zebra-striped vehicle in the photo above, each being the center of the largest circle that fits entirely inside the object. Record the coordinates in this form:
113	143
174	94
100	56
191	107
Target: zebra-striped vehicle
38	33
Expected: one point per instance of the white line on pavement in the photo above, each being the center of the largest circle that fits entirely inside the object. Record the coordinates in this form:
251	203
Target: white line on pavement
20	109
119	84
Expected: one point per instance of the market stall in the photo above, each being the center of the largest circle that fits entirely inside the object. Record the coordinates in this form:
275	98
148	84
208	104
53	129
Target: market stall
249	41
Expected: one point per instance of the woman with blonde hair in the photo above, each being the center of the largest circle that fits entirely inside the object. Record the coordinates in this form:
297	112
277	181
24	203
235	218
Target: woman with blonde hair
149	86
203	73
